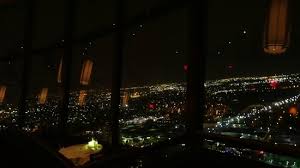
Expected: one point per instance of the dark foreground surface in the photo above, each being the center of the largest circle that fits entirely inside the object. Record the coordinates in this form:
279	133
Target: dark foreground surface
19	150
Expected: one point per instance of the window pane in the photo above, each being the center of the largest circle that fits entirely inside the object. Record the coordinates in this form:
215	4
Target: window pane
11	61
94	17
153	93
90	115
252	86
48	28
43	99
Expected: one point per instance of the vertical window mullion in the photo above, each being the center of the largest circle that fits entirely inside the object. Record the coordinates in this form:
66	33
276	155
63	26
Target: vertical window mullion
117	74
67	62
197	14
28	32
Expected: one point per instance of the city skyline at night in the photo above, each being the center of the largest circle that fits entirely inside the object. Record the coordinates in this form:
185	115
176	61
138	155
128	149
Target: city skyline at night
160	83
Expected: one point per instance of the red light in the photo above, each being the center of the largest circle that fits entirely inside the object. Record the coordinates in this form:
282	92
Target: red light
186	67
273	83
152	106
230	66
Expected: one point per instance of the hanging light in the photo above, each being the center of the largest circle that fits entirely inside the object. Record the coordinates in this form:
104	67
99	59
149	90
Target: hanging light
43	96
276	36
59	70
2	93
82	96
86	72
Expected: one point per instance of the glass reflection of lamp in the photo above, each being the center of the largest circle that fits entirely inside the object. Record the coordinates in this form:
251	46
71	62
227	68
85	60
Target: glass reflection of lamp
81	98
2	93
277	33
59	72
86	72
125	99
43	96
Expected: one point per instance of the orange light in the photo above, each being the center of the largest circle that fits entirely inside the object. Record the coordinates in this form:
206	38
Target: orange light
82	96
43	96
125	99
86	72
293	111
276	37
59	70
2	93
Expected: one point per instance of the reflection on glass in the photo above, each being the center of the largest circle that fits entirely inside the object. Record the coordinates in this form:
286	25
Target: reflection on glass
86	72
125	99
43	96
81	98
2	93
277	32
59	70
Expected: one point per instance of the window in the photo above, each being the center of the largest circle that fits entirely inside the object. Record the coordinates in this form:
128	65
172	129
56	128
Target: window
107	78
252	84
10	63
154	81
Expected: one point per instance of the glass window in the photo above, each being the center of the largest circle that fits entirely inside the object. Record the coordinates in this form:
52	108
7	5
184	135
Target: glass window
11	61
153	92
90	115
43	99
252	86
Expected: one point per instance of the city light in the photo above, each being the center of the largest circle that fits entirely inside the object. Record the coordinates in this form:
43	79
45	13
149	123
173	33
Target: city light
293	111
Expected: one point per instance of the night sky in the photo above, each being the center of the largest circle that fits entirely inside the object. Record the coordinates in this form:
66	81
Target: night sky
242	24
154	52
